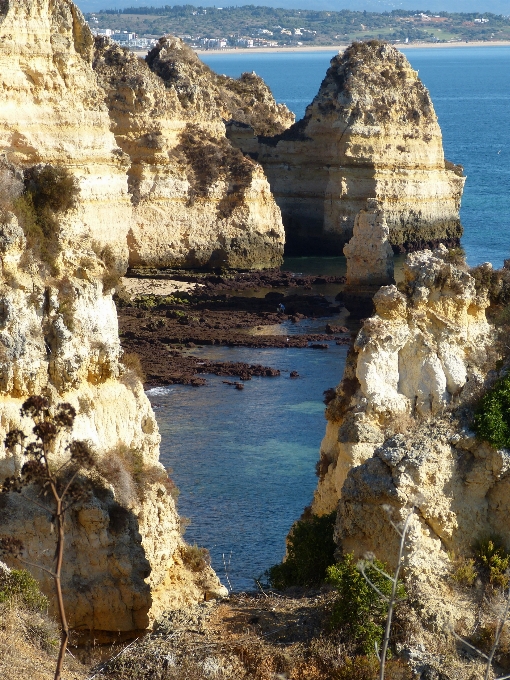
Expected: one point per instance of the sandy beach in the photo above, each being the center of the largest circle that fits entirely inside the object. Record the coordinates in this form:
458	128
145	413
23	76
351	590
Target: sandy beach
338	48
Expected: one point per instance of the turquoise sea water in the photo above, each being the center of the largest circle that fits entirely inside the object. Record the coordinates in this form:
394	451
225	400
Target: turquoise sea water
470	89
244	461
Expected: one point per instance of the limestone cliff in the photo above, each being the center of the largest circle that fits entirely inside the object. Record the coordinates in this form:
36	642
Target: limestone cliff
59	337
398	439
195	199
157	197
370	133
246	100
425	348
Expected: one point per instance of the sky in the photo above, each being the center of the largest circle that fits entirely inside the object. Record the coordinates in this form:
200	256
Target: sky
495	6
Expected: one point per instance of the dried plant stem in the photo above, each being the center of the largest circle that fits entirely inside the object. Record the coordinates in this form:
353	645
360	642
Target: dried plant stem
393	598
501	625
59	518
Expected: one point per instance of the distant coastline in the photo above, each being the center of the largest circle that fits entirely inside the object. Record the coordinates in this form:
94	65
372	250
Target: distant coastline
337	48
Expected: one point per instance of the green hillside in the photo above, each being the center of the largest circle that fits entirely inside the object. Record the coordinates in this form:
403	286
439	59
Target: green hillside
308	27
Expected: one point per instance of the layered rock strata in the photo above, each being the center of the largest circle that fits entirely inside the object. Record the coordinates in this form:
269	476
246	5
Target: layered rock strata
370	133
158	179
196	200
125	558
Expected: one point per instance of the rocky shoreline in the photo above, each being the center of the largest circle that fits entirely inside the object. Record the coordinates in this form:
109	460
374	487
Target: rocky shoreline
163	330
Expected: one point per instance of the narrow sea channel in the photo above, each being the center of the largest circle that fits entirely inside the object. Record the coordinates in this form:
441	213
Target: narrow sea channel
244	460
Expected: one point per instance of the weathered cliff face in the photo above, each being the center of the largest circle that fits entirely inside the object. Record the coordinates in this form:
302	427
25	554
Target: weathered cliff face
196	200
59	337
370	133
157	197
426	347
396	438
247	100
53	111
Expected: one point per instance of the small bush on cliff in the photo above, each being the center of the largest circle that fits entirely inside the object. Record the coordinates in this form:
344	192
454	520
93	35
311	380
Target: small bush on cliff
310	551
494	560
360	613
19	586
492	415
49	192
195	557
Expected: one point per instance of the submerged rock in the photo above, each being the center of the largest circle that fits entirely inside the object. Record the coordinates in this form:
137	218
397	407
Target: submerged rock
370	133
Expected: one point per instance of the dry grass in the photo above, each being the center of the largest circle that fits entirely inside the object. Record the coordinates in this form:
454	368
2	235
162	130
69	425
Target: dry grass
133	365
29	644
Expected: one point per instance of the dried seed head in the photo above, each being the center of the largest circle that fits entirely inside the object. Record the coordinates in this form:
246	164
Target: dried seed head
81	454
65	415
14	438
35	406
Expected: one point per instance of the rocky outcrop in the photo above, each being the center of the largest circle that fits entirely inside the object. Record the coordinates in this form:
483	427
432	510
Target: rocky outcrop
246	100
369	254
369	257
158	179
196	200
125	558
370	133
398	439
426	347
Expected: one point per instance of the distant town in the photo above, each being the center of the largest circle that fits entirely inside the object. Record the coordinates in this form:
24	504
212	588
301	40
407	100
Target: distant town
261	27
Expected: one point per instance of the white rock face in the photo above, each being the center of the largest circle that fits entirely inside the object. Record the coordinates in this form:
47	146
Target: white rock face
424	348
369	253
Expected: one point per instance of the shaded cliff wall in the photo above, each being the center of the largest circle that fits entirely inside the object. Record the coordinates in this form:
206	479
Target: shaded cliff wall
370	133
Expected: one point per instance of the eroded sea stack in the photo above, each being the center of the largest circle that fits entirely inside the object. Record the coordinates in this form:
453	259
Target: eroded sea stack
158	179
370	133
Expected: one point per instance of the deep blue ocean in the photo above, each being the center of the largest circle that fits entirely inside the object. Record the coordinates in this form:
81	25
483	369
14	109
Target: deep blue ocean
244	461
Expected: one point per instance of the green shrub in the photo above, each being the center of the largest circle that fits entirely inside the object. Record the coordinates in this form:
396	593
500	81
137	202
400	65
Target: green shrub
492	416
494	559
195	557
310	551
49	191
359	612
464	571
20	586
